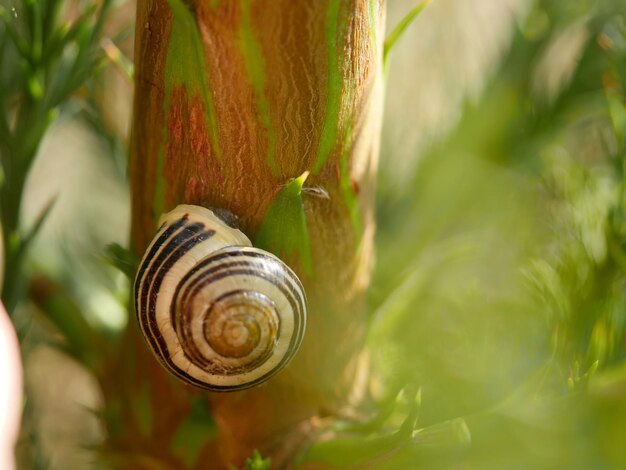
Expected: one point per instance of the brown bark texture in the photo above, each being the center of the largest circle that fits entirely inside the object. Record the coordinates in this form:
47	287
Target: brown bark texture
233	100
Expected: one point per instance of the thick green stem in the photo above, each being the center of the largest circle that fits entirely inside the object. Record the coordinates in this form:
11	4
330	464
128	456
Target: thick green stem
235	99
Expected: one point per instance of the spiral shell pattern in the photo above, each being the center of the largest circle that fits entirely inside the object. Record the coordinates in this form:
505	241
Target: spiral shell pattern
217	312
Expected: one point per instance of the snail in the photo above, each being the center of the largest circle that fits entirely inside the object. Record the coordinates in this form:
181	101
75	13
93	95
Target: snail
217	312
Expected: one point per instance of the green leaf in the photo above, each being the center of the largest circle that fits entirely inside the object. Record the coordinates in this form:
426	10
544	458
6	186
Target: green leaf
59	38
449	434
117	58
17	39
385	409
255	67
617	113
401	28
35	87
85	34
284	229
336	21
257	462
36	228
50	17
122	258
185	67
84	343
354	449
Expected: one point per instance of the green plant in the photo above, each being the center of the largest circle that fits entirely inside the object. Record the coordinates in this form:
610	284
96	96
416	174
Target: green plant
494	325
43	62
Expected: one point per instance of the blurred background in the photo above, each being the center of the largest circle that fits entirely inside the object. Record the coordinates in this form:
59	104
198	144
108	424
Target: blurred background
500	285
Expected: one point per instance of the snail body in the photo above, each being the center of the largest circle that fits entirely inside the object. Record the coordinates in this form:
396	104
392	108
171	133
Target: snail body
217	312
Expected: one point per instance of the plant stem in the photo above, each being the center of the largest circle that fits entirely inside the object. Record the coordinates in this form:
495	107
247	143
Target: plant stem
233	101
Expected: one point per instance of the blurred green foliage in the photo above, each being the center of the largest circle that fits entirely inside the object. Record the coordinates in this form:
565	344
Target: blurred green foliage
46	55
500	287
498	326
43	61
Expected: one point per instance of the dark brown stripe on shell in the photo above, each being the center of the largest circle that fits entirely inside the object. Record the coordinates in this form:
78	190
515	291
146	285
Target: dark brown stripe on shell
177	247
296	336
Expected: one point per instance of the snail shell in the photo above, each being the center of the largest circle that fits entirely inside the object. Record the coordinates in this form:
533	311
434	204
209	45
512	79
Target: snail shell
217	312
